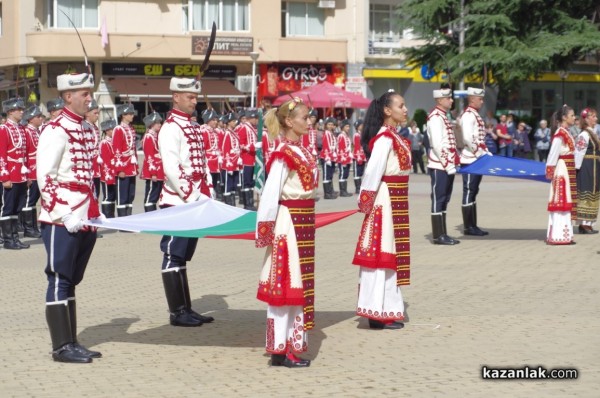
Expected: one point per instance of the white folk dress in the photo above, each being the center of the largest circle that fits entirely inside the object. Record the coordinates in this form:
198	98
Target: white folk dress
286	226
562	203
383	249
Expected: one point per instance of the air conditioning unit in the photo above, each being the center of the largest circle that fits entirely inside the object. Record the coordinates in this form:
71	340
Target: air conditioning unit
326	4
244	84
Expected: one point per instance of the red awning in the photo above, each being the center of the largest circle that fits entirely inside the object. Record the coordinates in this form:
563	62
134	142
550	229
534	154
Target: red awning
157	89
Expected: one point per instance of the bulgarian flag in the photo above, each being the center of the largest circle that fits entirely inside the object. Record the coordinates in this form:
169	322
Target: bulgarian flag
205	218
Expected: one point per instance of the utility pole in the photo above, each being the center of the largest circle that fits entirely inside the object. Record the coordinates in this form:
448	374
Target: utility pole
461	49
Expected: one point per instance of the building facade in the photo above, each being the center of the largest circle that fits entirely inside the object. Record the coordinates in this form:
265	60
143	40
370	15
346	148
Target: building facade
134	48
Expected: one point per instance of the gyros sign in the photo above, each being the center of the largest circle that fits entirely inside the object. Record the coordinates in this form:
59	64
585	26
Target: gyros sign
309	73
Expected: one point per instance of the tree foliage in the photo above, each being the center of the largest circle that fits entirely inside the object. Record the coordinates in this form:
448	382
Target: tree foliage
514	39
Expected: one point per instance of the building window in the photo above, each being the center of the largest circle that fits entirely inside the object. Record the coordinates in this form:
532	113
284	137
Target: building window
83	13
384	30
230	15
302	19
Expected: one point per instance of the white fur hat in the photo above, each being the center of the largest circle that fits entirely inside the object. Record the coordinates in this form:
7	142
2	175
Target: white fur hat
75	81
477	92
185	85
442	93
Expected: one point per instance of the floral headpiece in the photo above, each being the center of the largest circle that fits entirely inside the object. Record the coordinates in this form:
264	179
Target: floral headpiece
295	101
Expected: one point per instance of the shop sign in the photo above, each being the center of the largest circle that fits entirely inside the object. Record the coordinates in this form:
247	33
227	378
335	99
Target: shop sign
168	70
224	45
279	79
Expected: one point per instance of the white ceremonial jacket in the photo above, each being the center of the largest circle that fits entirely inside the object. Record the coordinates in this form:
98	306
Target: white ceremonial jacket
473	132
443	154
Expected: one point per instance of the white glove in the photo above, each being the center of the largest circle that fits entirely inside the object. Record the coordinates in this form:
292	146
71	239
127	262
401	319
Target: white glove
230	173
72	223
451	171
258	145
101	218
328	163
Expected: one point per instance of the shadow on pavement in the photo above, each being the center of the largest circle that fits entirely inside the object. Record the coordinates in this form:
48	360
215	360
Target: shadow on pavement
497	234
231	328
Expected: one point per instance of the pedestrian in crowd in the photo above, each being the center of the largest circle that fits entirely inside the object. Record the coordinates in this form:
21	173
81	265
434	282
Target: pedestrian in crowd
286	227
309	141
442	165
542	140
34	119
587	163
107	170
65	177
13	172
490	120
473	132
491	139
152	168
359	158
383	248
328	157
186	180
504	138
560	169
416	146
54	108
344	157
249	144
403	129
212	146
125	164
575	128
91	120
521	144
232	160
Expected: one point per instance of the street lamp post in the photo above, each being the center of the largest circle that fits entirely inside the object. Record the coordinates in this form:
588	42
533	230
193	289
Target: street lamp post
254	56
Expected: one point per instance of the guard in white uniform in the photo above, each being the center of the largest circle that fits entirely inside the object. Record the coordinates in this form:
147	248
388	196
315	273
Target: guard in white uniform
186	180
65	177
443	161
473	131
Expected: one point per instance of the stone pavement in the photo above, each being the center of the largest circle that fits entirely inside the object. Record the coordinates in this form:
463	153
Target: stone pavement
503	300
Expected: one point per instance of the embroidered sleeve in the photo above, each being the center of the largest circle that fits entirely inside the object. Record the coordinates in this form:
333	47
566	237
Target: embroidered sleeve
269	201
366	201
550	172
265	233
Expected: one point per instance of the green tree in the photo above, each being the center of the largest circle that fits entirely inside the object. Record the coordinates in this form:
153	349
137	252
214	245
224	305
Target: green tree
514	39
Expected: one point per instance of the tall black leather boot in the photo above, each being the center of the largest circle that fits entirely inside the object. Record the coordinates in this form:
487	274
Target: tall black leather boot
468	213
328	188
121	211
439	232
15	234
28	223
475	221
149	207
59	324
7	235
249	200
219	189
78	347
230	199
34	218
129	210
20	224
357	182
456	241
173	283
344	189
111	210
188	300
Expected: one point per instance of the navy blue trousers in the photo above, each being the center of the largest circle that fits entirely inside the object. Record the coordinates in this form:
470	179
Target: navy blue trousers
68	256
248	178
32	195
125	191
229	181
109	193
327	171
470	188
441	190
152	192
13	200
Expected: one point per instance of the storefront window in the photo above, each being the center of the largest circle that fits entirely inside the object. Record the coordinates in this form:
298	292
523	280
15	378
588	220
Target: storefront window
83	13
230	15
302	19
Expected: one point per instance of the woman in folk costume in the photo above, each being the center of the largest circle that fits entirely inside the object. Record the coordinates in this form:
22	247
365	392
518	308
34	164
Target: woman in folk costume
587	163
560	169
286	226
383	249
